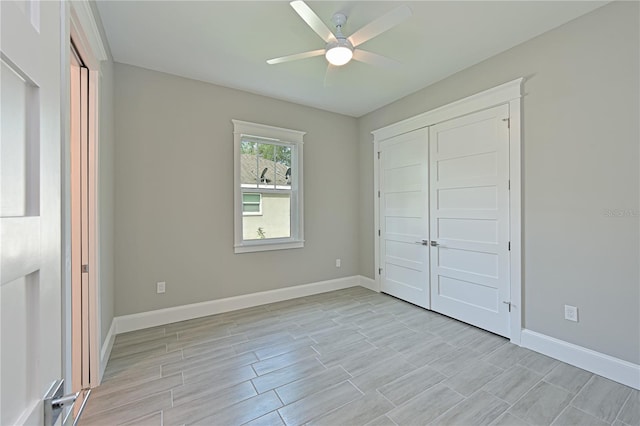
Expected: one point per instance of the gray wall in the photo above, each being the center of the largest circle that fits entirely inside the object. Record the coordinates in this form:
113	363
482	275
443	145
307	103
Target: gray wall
174	193
106	201
581	158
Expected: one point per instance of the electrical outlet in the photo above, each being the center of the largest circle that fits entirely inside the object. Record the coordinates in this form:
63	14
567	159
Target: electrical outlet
160	287
338	263
570	313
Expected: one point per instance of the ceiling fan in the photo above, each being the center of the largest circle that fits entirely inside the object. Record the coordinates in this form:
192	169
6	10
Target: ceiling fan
339	50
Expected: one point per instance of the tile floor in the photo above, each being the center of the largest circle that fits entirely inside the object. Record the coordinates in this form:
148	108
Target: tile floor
349	357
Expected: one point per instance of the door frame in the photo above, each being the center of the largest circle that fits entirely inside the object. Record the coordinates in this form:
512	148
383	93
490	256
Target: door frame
82	28
508	93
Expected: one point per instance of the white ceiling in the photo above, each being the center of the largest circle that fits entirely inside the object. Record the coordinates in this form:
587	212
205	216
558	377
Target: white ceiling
228	42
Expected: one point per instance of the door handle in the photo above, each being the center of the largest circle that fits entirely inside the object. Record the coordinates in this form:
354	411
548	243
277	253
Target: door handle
434	244
422	242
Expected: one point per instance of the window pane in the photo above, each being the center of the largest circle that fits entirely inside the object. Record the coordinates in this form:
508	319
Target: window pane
283	166
266	165
250	198
248	164
251	208
275	221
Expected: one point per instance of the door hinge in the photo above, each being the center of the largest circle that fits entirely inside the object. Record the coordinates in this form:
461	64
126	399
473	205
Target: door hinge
379	271
509	245
85	269
508	120
378	155
378	194
509	184
379	233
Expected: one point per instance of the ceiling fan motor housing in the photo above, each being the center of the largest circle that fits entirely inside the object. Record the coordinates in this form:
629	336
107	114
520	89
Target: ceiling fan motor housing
339	51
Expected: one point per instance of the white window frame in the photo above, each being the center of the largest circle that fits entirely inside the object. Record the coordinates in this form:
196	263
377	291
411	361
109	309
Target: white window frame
259	203
276	135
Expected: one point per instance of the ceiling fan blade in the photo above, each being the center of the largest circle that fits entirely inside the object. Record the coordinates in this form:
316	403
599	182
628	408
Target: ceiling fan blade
380	25
295	57
310	17
375	59
330	75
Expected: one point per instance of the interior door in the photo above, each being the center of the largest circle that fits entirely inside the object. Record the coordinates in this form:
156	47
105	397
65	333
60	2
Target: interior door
79	169
469	163
404	217
30	211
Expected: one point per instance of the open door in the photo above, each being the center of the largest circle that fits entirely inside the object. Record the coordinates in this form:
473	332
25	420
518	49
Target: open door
30	209
80	167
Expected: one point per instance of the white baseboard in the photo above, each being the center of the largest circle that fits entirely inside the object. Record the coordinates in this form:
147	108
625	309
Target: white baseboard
367	282
107	345
607	366
158	317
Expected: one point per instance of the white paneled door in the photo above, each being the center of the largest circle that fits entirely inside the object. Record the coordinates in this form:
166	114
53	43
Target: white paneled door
469	199
30	188
404	222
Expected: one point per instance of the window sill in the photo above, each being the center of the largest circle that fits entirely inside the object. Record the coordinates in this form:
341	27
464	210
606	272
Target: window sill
267	246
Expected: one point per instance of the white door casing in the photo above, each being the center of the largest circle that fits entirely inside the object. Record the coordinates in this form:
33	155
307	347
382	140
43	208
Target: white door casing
469	168
31	253
404	220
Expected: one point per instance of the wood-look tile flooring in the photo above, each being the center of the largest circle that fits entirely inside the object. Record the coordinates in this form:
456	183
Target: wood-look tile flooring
349	357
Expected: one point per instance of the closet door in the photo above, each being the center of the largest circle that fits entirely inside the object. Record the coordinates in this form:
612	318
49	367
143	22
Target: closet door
469	199
404	217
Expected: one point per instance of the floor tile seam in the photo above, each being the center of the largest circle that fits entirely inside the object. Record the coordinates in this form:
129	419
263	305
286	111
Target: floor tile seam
534	371
502	399
117	346
579	391
567	390
593	376
407	374
328	367
409	401
508	411
111	408
206	340
136	396
489	354
143	380
217	409
374	365
624	405
565	409
465	398
200	337
117	356
338	407
527	393
594	416
254	369
288	365
377	390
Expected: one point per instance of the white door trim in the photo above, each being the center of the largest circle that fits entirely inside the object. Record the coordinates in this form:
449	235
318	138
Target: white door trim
508	93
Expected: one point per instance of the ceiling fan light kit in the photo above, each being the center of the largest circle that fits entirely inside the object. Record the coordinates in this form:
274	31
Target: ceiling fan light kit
339	50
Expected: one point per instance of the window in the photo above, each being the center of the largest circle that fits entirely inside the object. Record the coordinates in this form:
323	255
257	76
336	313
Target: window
268	188
251	204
